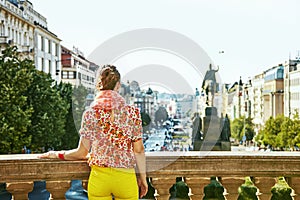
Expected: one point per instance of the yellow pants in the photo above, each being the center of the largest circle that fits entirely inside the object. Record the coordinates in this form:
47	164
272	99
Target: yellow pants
105	182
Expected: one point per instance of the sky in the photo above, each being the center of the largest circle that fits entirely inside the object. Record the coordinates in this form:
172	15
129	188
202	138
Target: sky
255	35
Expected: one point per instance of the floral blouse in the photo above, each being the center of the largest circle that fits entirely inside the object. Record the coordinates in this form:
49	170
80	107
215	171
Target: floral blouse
111	126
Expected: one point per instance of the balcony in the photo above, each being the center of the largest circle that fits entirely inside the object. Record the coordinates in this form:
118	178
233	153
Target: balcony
20	171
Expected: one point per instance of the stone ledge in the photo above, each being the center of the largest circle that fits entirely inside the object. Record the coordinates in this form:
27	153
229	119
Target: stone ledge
25	167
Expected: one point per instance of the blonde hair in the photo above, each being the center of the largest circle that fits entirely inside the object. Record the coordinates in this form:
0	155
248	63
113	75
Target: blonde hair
108	77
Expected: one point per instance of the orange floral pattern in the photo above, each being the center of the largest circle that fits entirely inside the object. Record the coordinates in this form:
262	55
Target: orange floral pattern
112	127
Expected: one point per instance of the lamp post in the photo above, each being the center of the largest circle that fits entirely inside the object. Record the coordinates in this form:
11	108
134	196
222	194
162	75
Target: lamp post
149	102
197	93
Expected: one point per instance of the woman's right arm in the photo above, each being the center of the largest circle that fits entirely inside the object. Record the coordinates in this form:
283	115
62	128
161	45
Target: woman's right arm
80	153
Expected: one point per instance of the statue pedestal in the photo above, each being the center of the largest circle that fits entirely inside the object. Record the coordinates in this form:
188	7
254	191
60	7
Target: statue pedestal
197	145
225	146
211	133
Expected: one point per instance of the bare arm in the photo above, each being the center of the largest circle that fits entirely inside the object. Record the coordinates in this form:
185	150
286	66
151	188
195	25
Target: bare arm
79	153
139	152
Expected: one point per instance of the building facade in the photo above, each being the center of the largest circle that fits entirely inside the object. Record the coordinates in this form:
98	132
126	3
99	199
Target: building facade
257	106
47	52
25	28
47	44
77	70
15	29
273	92
292	87
247	99
233	100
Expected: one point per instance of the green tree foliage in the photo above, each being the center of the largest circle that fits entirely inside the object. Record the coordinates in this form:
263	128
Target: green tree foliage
70	138
272	130
260	138
249	130
35	112
294	132
237	128
296	129
78	104
15	78
284	138
242	126
281	132
76	98
49	116
146	121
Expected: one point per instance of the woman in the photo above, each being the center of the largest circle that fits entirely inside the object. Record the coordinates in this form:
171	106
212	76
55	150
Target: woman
111	132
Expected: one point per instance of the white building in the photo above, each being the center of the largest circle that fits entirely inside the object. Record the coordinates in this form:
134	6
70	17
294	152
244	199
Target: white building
47	52
25	28
77	70
256	97
292	87
235	100
15	30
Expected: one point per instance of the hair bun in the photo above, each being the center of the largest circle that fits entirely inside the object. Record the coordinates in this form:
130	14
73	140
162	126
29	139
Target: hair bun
108	77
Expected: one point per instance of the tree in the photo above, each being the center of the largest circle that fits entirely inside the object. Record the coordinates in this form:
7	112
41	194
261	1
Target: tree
249	130
70	138
49	116
241	127
259	139
35	112
78	104
237	128
290	133
146	121
15	114
272	130
296	131
285	138
161	115
281	132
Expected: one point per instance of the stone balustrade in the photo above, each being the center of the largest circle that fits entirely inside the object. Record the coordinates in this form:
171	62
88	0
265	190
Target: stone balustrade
20	171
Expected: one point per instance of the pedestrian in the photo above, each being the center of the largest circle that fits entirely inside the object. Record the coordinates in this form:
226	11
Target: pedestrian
111	133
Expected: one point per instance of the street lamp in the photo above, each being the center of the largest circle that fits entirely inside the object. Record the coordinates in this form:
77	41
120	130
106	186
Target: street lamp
197	93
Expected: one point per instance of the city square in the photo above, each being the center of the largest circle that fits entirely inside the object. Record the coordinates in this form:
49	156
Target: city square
216	123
